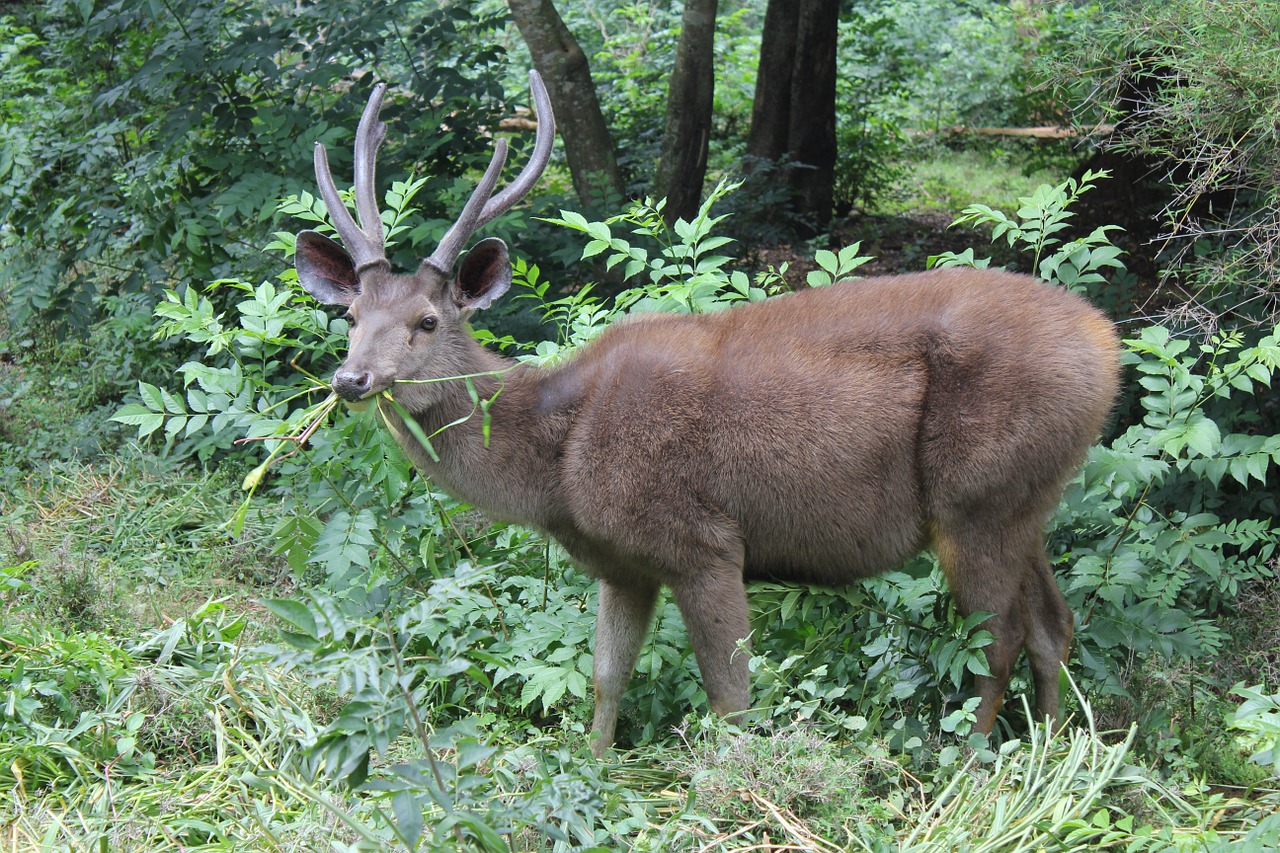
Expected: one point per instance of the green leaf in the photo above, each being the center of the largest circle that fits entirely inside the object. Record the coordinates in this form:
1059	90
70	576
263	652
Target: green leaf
408	818
293	612
1259	373
140	416
152	397
1203	436
818	278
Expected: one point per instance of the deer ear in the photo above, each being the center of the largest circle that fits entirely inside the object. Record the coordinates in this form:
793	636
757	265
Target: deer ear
325	270
484	276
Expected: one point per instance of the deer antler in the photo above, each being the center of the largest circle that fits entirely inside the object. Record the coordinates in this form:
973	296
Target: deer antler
365	241
480	208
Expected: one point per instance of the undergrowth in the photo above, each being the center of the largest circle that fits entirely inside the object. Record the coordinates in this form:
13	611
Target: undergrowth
428	686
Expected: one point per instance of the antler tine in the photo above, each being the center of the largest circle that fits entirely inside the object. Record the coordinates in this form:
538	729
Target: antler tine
369	137
481	208
543	143
461	230
366	245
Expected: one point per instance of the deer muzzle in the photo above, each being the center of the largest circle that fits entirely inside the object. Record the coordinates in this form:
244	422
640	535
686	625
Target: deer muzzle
353	385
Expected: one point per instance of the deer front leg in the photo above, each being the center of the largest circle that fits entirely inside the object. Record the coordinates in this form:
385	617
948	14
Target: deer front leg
713	602
621	625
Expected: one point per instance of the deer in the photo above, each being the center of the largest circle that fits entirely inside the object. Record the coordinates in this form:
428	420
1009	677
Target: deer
820	436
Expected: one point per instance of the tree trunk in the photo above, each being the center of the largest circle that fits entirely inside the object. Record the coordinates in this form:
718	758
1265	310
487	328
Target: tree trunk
794	111
771	108
812	130
683	164
588	146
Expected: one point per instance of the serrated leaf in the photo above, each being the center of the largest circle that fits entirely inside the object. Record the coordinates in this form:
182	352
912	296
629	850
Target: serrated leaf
152	397
137	415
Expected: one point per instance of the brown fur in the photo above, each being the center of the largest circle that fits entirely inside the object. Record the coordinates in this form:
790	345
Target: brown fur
821	436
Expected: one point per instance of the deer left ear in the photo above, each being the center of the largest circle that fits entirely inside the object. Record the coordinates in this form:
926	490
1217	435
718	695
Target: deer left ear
484	276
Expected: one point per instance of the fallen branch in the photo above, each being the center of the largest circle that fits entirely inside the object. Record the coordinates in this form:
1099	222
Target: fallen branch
1047	132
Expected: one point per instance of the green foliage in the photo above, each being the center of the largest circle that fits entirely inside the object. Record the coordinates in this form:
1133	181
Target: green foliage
631	46
793	768
1041	219
146	144
1259	717
835	266
869	136
681	275
1164	564
912	70
950	180
1192	86
425	670
77	702
970	63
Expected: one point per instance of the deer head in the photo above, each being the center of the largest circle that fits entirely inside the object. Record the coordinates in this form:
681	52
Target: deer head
410	325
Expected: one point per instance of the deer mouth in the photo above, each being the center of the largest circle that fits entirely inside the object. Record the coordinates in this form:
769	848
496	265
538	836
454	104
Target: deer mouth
358	405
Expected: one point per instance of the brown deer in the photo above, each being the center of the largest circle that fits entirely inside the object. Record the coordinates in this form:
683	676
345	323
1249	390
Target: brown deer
821	436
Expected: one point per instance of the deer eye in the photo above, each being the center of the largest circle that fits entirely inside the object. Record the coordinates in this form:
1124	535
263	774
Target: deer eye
428	323
351	319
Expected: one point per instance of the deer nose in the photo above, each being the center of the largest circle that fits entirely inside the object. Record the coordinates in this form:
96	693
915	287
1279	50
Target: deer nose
352	385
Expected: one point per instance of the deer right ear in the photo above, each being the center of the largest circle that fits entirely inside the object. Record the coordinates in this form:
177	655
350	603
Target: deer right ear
325	270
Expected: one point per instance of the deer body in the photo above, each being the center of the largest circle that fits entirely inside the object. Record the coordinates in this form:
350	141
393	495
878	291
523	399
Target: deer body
822	436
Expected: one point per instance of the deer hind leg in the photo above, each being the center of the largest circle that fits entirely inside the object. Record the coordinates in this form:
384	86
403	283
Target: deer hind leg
1049	629
621	626
991	576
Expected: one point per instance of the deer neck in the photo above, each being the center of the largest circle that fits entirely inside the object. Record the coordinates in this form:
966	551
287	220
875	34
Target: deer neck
505	467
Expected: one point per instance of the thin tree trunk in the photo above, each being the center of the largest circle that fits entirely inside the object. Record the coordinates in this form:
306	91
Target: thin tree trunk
683	164
812	129
771	107
793	114
562	63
